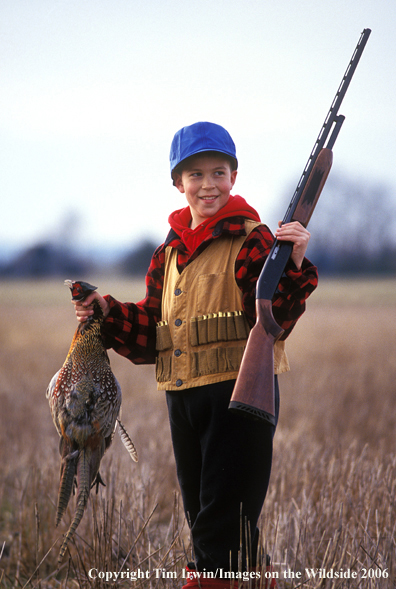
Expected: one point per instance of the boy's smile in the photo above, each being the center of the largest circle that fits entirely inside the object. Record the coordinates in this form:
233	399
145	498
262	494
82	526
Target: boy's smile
206	180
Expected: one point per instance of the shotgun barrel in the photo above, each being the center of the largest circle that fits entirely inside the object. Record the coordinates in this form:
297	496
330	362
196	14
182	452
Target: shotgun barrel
253	393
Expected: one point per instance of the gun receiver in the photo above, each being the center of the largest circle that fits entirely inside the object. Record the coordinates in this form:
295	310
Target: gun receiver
253	393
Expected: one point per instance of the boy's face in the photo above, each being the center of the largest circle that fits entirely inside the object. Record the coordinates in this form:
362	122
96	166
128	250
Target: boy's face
206	181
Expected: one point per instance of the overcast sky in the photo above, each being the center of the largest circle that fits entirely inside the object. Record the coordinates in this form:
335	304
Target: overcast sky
92	92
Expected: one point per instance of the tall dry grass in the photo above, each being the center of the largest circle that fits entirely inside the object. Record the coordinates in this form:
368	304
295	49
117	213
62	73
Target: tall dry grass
331	501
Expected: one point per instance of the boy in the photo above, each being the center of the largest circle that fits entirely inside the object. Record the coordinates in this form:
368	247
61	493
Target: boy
194	323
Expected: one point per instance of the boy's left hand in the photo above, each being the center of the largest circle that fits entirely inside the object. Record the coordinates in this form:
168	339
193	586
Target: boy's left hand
298	235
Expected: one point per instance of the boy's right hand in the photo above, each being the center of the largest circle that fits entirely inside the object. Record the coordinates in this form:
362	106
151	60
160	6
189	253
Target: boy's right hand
84	308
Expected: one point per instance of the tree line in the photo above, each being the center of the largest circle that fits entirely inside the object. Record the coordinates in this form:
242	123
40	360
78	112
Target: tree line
353	232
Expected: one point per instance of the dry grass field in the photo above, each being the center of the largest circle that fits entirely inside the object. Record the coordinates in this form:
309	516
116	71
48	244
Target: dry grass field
329	520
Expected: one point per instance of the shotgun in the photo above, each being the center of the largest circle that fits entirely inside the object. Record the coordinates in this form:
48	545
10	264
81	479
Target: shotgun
253	393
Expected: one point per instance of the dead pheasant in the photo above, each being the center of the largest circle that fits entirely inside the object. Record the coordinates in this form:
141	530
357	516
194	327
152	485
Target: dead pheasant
85	401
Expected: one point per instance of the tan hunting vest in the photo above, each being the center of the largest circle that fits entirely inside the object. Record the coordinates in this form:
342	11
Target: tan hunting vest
203	332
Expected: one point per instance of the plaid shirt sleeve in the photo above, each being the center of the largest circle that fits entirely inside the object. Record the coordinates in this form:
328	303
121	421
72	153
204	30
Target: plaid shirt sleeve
130	328
294	288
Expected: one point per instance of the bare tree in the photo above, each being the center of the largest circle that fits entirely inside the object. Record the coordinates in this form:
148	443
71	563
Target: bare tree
354	227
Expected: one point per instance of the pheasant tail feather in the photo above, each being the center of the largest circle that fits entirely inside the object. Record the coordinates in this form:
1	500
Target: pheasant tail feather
126	440
84	482
65	487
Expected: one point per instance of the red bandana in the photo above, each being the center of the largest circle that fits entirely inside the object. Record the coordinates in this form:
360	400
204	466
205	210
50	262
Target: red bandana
180	221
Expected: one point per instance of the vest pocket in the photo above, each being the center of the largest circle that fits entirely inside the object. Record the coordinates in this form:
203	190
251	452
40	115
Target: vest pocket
216	360
218	327
163	368
163	336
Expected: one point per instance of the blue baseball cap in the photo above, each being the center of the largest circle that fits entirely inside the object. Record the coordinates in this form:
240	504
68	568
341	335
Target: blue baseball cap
198	138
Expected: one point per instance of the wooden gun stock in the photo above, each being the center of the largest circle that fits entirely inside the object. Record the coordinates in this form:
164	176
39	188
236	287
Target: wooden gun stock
253	393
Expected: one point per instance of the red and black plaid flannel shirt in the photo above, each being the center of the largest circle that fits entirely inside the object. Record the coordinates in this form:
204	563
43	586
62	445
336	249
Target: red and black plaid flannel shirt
130	327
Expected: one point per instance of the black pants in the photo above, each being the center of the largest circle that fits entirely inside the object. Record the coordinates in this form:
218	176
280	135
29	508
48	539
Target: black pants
223	461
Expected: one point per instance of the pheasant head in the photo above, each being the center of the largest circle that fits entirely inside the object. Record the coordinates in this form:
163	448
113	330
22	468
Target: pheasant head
79	289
